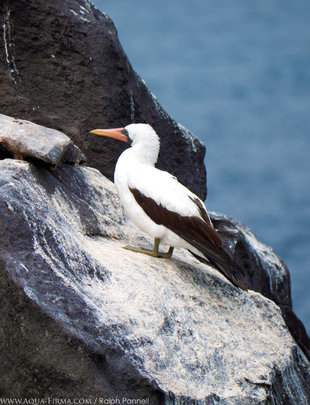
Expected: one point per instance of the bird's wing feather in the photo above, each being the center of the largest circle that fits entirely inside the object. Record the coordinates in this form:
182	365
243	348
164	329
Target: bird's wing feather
165	189
167	202
190	227
197	233
184	214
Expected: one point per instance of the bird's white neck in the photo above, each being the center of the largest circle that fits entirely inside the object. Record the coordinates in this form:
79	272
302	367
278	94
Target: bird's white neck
145	152
145	144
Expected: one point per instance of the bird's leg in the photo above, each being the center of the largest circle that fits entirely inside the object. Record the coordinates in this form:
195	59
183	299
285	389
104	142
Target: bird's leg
161	254
154	252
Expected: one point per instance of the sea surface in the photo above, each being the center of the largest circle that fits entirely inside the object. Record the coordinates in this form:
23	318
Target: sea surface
237	74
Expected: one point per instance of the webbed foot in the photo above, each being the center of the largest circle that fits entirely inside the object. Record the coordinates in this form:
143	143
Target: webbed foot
154	252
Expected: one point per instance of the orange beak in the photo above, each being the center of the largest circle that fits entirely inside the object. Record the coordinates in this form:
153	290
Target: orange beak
115	133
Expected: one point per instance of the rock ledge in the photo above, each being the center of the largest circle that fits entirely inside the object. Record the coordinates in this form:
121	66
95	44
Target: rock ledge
173	331
26	140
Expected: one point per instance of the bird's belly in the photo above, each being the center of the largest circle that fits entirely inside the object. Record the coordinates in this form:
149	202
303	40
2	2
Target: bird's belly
172	239
167	237
138	216
143	222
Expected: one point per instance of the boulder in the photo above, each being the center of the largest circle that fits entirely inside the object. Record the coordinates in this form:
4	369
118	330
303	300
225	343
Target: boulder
63	67
82	317
26	140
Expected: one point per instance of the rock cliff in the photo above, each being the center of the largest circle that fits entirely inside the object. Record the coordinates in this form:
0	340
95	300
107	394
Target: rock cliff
62	66
82	317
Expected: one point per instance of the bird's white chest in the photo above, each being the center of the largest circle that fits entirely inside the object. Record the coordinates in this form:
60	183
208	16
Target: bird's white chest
125	170
155	184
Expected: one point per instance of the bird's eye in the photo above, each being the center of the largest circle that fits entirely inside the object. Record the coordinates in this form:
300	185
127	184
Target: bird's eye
125	132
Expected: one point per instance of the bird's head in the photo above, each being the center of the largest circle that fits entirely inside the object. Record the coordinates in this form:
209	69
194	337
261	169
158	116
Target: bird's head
133	134
142	138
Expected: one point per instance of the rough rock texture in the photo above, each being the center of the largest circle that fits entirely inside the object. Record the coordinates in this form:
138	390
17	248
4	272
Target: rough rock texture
62	66
26	140
267	273
83	317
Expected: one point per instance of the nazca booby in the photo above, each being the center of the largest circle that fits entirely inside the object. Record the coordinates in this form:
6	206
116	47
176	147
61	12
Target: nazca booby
161	206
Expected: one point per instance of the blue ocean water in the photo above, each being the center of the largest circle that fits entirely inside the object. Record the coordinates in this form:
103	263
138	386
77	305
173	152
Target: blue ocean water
237	74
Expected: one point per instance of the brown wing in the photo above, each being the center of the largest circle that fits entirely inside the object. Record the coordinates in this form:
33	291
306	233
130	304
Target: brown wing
197	231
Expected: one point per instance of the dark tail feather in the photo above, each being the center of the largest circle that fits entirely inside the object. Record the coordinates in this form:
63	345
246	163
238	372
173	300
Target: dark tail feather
221	261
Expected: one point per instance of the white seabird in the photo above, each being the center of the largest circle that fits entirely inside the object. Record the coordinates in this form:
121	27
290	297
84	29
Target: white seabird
161	206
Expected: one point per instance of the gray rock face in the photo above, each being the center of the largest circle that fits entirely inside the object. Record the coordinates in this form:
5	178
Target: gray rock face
26	140
82	316
266	272
62	66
